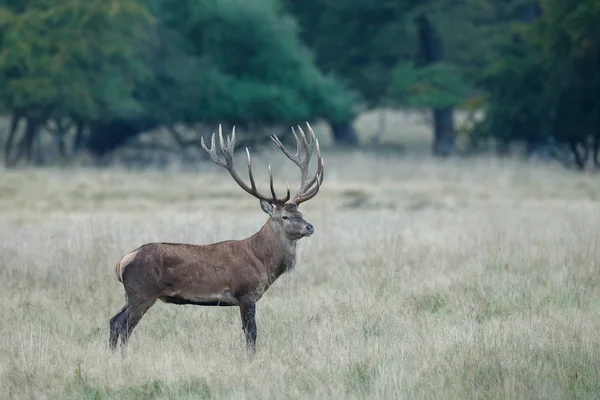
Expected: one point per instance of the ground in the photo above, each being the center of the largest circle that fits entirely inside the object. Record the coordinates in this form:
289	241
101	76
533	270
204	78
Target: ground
474	278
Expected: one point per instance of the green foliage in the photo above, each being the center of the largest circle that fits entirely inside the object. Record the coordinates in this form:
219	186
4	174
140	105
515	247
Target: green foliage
474	31
513	87
425	54
374	47
120	67
433	86
72	57
546	88
241	62
359	41
473	35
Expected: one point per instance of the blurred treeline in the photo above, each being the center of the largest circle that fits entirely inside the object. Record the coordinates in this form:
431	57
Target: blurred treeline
93	74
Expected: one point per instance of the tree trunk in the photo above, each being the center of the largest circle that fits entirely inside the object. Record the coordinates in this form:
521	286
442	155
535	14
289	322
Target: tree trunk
579	158
62	146
443	139
431	52
596	150
12	133
78	143
63	126
344	134
32	128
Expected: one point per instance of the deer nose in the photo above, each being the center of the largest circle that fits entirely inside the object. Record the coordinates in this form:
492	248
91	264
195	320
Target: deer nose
310	228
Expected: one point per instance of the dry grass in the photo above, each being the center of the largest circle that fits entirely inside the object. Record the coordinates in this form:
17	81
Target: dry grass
458	279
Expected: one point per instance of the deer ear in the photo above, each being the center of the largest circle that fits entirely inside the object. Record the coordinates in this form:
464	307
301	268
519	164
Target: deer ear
267	207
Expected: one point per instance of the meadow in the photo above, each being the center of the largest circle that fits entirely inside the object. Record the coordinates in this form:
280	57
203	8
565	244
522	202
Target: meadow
425	279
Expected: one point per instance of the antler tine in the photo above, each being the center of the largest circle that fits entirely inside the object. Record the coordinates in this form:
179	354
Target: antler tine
298	143
311	193
212	152
221	142
308	142
308	191
271	182
231	143
289	155
302	145
252	183
287	196
227	147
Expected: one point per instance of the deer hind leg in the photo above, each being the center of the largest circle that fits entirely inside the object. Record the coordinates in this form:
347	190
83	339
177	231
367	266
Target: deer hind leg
115	329
248	314
131	318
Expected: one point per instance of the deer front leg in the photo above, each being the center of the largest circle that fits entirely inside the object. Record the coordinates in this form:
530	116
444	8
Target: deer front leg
248	314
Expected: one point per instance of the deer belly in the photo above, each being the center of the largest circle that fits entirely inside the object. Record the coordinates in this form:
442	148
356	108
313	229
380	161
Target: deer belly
222	299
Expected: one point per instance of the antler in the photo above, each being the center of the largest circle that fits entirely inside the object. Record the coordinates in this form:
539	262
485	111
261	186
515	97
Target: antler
304	148
228	165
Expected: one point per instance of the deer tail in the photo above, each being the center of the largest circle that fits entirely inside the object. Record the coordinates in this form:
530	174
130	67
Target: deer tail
118	271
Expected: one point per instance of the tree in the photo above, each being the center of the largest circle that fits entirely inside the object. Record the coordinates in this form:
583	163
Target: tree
228	61
400	53
457	42
112	69
77	59
359	41
569	37
546	90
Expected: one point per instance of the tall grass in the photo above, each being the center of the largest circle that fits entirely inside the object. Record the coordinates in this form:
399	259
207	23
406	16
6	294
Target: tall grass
424	279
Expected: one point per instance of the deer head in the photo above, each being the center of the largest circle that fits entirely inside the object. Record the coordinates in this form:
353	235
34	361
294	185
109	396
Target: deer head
283	213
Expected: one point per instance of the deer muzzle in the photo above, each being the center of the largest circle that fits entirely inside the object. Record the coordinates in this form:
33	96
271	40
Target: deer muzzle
309	230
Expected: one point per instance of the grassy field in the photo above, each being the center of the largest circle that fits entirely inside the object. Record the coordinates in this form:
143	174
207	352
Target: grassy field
424	279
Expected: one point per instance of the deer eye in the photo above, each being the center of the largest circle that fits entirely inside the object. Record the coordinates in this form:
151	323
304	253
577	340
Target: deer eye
285	217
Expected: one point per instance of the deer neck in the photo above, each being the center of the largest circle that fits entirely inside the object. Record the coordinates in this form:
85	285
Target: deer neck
274	249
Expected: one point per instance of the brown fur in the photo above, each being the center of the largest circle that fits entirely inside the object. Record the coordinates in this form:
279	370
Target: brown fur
125	261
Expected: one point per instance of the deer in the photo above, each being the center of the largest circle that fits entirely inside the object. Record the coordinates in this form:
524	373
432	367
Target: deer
230	272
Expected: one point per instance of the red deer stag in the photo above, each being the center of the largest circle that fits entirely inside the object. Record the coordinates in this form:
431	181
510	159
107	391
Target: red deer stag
227	273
